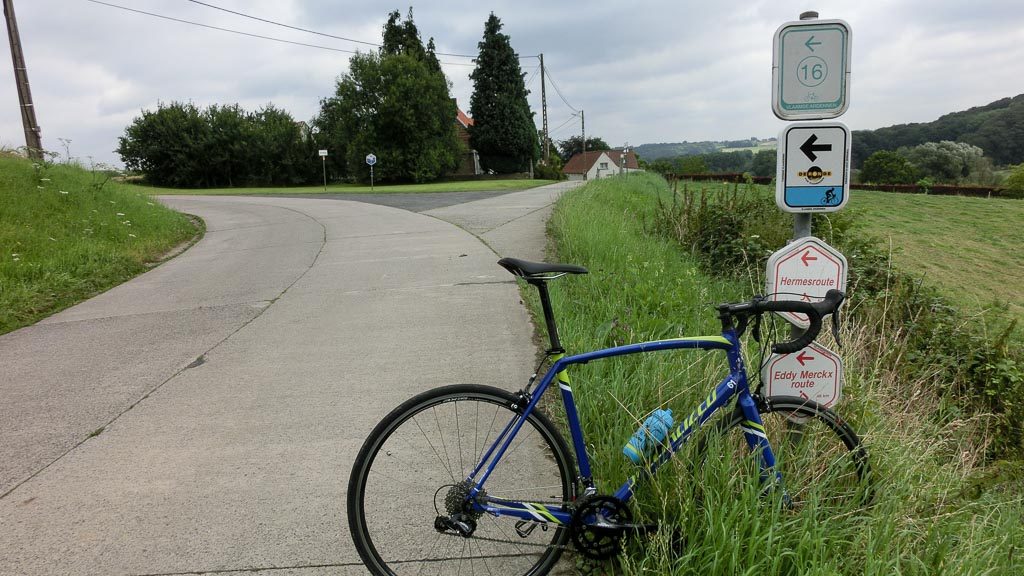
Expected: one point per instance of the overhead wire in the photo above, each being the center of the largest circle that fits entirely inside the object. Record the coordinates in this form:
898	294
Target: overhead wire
275	23
249	34
547	73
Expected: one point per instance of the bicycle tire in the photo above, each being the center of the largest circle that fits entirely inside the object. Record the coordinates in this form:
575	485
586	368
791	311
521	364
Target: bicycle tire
392	522
823	465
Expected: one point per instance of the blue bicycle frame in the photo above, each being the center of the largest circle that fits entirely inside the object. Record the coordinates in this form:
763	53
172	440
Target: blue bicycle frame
733	385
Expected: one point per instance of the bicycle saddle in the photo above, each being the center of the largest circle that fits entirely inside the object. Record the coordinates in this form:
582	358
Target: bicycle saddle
538	270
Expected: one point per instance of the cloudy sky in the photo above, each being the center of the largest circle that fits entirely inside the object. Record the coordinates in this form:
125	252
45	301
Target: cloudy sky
643	72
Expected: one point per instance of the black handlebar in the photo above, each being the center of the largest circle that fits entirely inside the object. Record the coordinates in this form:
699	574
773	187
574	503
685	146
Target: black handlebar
815	311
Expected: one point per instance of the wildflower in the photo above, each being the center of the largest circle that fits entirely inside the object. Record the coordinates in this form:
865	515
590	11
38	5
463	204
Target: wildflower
44	179
65	192
53	239
131	235
120	213
40	188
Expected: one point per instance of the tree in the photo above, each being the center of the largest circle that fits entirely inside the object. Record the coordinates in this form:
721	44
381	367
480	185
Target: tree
1015	182
886	167
503	131
948	161
396	105
691	165
574	145
764	163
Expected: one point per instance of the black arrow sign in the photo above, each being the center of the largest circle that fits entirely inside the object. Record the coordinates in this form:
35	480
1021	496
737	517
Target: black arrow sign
809	149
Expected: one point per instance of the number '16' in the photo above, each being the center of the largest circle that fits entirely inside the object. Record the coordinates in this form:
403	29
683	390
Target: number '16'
814	72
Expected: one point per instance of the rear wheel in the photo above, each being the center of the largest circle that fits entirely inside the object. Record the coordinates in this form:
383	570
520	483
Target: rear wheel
412	470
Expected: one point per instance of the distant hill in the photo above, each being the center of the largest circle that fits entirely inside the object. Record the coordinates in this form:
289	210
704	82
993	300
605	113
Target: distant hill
651	152
996	128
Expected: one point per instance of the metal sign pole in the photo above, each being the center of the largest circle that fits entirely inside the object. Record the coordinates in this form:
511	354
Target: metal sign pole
371	178
324	158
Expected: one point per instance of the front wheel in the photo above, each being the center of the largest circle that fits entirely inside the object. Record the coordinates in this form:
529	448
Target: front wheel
822	465
413	468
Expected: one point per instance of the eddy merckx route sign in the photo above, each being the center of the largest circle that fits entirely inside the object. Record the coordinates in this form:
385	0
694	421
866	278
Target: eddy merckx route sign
804	270
813	167
813	373
811	70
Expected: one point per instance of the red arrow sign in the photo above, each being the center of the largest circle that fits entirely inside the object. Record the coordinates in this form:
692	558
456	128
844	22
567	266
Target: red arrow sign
803	357
804	396
807	258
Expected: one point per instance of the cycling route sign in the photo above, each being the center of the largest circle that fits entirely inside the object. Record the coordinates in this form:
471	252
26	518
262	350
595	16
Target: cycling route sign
804	270
813	169
811	70
812	373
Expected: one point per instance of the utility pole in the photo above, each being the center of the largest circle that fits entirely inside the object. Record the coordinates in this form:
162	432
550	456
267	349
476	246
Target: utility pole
583	130
28	114
544	113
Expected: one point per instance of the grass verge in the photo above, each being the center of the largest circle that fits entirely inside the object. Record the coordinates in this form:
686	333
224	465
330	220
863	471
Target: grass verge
938	509
468	186
67	234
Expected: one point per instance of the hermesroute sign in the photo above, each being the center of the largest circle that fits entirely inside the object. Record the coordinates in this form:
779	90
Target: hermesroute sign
804	270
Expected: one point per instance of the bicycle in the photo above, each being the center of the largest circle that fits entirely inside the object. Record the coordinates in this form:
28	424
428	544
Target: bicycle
476	480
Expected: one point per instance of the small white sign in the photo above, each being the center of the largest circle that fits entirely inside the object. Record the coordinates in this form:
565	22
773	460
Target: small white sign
813	167
811	69
371	159
813	373
323	152
804	270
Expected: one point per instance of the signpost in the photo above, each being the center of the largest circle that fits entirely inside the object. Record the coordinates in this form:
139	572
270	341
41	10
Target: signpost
811	69
813	167
813	373
804	270
370	161
323	157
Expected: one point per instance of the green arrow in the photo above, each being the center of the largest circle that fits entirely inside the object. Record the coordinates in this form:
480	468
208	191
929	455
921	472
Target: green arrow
811	43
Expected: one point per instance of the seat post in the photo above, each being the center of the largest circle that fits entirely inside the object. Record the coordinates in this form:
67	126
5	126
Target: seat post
549	315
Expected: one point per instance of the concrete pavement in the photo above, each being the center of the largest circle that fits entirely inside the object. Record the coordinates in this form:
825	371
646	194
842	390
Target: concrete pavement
204	416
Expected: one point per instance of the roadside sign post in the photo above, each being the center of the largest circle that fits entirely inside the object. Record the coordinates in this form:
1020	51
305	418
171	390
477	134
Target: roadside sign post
370	161
813	373
811	69
804	270
323	157
810	81
813	167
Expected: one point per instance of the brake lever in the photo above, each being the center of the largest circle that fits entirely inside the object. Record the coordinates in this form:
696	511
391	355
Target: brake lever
757	329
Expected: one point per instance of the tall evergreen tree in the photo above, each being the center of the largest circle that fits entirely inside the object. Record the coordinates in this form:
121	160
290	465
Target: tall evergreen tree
503	131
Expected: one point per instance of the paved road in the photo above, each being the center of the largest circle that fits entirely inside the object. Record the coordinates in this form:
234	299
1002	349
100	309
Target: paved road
203	417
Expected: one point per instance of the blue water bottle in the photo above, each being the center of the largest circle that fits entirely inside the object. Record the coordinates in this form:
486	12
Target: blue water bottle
653	432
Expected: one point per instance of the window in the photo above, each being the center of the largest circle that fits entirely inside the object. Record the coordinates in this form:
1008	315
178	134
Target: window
604	165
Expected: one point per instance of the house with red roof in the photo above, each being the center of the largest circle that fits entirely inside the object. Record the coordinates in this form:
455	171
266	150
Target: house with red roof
470	162
594	164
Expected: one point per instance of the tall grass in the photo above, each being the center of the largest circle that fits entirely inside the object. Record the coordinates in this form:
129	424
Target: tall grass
936	510
67	233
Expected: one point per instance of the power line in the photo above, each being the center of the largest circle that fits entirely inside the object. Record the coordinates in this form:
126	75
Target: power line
563	124
260	36
547	72
310	31
221	29
275	23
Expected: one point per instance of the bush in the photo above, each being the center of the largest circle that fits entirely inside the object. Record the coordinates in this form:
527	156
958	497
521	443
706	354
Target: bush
885	167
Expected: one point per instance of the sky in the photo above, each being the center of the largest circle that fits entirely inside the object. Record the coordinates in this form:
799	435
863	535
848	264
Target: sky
642	72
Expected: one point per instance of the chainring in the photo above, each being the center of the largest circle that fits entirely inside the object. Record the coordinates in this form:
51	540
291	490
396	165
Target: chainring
597	526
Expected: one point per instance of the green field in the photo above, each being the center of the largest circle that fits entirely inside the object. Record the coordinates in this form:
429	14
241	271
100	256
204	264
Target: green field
972	248
468	186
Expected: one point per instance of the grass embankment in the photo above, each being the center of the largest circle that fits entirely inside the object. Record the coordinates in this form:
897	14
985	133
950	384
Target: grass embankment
468	186
67	234
929	515
973	248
